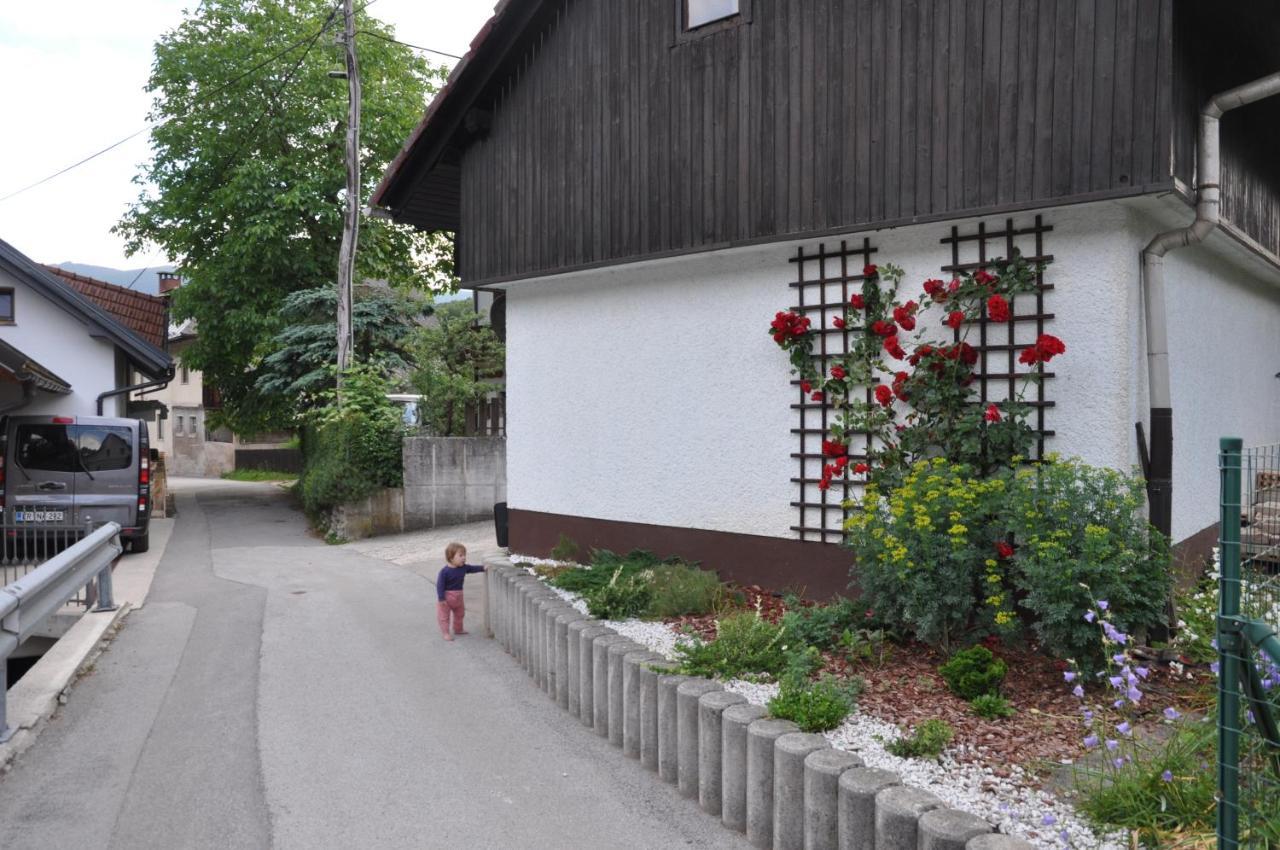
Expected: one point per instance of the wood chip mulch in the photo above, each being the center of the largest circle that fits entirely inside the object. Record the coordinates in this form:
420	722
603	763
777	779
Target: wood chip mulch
905	689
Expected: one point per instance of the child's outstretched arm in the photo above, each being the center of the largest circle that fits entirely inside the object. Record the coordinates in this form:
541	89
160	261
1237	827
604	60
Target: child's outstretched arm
440	586
472	568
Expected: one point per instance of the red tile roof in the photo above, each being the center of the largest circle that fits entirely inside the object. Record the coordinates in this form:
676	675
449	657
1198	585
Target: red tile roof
146	315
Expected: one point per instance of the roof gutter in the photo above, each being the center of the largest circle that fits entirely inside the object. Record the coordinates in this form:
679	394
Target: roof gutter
1158	461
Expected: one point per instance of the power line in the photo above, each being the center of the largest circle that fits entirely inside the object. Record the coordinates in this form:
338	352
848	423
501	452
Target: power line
406	44
308	40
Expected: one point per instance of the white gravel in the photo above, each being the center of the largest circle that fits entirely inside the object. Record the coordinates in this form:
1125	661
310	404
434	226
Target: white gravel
1013	804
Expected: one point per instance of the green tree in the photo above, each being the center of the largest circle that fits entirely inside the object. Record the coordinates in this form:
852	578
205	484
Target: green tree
457	360
244	190
306	350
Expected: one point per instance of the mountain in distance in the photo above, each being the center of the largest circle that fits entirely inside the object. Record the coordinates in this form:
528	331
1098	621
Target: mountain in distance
147	279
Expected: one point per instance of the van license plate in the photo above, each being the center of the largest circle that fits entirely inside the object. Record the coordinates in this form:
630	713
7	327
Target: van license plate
39	516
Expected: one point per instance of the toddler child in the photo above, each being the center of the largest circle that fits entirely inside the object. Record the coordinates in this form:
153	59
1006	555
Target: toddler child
449	589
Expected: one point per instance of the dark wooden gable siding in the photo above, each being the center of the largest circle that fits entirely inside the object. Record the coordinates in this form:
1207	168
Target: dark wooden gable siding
612	142
1214	53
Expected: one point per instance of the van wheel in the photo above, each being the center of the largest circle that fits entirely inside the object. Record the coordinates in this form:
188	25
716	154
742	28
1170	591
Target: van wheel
140	544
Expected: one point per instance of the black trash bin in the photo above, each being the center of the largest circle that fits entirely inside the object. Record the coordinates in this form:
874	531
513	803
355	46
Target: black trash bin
500	523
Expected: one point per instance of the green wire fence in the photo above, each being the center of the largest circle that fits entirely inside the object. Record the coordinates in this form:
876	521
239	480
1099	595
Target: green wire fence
1248	648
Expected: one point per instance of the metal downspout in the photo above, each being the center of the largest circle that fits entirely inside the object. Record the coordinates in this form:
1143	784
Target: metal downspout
157	384
1159	471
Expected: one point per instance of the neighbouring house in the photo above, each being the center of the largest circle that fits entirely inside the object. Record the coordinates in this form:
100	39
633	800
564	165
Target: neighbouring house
192	447
73	346
645	184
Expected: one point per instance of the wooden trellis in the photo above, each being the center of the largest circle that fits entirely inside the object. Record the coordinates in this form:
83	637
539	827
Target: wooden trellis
824	281
998	347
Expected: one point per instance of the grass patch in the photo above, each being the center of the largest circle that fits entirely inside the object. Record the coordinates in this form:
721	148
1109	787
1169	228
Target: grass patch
1167	788
821	625
639	584
928	740
259	475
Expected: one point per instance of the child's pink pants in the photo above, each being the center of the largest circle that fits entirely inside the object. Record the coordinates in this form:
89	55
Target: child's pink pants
454	605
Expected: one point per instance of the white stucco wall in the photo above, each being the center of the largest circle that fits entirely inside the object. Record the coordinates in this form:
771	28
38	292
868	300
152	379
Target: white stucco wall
61	343
652	393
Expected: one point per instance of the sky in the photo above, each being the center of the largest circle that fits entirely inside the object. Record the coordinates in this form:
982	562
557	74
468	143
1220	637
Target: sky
74	72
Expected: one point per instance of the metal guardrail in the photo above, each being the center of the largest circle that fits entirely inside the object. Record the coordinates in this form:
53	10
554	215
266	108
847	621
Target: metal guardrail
26	603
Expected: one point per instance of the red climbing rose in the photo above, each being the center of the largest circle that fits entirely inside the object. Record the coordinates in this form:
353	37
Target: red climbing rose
857	301
1003	549
992	414
954	319
998	309
870	270
884	395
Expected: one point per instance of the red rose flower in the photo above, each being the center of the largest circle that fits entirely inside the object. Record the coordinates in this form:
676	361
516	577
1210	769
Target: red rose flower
861	468
1044	350
998	309
779	337
870	270
884	395
954	319
953	285
968	354
905	315
1003	549
899	385
881	328
806	387
857	301
833	448
824	484
818	396
893	348
984	277
838	322
935	289
837	372
992	414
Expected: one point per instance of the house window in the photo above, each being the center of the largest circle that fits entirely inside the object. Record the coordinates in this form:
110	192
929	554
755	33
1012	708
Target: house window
177	425
699	13
6	305
186	374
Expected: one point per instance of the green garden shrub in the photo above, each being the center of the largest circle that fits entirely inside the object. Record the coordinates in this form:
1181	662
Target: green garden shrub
974	672
566	549
991	706
680	590
744	644
928	740
353	447
815	706
821	625
1082	535
622	598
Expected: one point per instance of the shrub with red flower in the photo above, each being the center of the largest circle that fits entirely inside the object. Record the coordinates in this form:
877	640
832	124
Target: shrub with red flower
884	395
837	372
883	328
893	348
870	270
1003	549
992	414
936	290
838	323
857	301
905	315
954	319
832	448
1044	350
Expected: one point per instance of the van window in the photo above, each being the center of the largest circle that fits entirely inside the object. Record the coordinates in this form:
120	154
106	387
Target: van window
49	448
106	447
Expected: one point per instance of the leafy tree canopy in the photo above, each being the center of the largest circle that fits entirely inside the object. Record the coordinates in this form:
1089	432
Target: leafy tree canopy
245	187
306	350
458	363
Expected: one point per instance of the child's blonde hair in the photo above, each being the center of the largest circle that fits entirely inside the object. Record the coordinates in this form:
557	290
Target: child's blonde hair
453	549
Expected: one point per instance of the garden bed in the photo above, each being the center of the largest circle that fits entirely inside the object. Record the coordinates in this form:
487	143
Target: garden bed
1008	771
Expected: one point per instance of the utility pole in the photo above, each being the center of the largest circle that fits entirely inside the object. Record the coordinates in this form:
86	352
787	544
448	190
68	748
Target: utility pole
351	217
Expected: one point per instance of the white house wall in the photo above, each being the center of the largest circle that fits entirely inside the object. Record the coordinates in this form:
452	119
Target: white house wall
1224	351
651	392
61	343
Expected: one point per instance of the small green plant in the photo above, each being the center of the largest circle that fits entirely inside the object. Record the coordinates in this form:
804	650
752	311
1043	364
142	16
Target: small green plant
865	645
745	643
820	625
259	475
973	672
991	706
815	706
802	662
622	598
566	549
928	740
679	589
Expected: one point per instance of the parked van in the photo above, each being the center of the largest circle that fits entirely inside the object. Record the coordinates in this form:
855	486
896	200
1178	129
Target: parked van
73	471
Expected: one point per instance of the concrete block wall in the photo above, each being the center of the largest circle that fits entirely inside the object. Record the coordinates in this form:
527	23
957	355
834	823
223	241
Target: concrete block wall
760	777
451	480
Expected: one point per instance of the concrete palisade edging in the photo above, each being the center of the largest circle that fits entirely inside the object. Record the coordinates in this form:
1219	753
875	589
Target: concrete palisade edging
784	789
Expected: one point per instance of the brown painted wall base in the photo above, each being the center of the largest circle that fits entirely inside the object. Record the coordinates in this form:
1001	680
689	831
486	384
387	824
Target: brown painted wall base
816	570
1190	556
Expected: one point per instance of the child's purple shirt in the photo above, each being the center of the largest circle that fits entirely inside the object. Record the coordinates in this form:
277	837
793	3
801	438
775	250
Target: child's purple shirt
451	578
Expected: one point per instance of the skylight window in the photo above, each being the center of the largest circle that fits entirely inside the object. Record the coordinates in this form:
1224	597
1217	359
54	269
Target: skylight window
701	12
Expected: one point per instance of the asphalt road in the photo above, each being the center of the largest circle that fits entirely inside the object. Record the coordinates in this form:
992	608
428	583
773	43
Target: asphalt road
275	692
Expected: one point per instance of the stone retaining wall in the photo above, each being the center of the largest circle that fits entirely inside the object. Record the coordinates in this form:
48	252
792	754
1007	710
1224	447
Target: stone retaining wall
783	789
